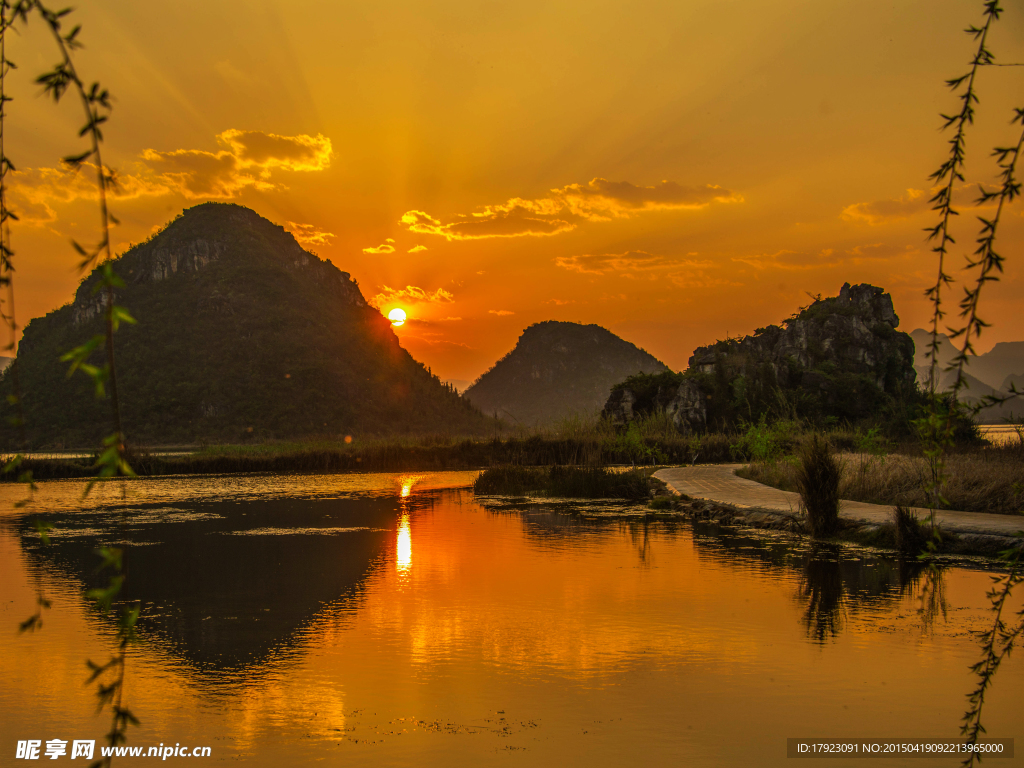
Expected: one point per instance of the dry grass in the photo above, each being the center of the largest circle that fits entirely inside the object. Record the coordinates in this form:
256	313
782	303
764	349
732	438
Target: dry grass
989	479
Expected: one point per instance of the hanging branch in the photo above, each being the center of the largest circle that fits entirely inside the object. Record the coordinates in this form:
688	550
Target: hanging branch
96	104
6	252
95	101
951	171
996	644
936	431
985	259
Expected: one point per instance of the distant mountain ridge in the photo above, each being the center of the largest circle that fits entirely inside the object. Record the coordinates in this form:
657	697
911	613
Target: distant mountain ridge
994	373
994	367
557	369
241	334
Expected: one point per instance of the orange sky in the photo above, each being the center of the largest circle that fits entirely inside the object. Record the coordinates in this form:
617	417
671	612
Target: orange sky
674	171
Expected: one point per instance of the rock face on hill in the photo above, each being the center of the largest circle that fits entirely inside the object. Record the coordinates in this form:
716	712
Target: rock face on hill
840	358
241	334
557	369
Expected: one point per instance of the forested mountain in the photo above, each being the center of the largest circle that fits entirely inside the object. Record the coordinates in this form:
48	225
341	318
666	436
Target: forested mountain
241	334
557	369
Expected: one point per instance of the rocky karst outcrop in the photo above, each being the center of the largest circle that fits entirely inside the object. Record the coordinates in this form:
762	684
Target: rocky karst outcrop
841	358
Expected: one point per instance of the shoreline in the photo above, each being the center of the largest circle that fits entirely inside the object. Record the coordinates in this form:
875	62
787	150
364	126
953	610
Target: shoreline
714	493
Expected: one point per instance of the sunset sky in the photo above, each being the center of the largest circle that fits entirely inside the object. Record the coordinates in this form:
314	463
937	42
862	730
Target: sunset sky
673	171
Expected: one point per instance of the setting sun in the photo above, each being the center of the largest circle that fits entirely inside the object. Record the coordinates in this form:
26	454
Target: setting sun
397	316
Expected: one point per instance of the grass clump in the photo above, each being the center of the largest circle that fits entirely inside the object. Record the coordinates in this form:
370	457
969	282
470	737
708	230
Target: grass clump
566	482
911	535
818	476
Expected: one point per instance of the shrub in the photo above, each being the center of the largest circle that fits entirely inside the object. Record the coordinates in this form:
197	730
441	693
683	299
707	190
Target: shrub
818	483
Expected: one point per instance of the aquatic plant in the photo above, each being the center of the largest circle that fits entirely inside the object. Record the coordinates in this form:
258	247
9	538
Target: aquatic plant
564	482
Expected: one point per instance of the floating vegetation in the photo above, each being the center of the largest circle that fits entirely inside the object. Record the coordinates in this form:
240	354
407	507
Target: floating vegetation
564	482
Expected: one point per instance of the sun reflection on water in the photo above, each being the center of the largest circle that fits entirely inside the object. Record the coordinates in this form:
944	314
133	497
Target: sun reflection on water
407	482
403	547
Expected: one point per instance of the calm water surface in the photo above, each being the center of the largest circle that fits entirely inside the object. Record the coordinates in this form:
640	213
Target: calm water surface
384	619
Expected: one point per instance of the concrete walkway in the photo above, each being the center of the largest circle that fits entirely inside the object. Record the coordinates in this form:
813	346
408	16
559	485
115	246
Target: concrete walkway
718	483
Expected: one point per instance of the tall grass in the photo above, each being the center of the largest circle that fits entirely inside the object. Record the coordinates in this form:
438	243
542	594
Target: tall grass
817	480
911	536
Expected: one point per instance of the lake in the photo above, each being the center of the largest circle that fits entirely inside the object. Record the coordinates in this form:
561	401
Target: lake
395	619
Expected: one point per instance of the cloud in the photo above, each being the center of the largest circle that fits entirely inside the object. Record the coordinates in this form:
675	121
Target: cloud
382	248
417	249
791	260
411	294
509	220
560	302
597	200
601	199
699	278
630	261
879	251
500	312
307	234
34	191
882	211
248	159
428	323
827	257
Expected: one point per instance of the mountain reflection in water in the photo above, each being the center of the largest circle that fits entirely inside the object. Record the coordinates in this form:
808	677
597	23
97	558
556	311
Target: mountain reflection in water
398	619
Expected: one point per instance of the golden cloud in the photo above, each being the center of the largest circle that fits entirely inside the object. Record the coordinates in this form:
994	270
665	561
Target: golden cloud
417	249
307	234
510	220
630	261
385	247
598	200
882	211
601	199
34	191
500	312
411	294
248	159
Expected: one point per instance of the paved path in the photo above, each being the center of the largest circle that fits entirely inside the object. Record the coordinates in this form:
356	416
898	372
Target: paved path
718	482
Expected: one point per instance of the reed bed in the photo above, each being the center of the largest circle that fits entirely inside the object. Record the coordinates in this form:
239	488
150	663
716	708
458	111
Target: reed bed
989	479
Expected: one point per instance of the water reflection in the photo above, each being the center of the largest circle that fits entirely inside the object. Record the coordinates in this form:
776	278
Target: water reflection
403	547
577	640
229	586
822	588
833	583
